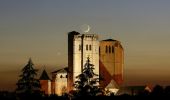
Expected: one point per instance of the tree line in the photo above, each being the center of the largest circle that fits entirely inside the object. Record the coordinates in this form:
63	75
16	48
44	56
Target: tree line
87	86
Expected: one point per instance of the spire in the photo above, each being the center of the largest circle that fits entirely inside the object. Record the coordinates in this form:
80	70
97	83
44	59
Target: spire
44	75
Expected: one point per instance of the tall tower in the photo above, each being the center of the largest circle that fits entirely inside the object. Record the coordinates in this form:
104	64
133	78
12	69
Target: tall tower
111	63
81	46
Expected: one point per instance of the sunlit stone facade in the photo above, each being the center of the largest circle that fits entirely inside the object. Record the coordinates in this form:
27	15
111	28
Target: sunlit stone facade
107	56
59	80
81	46
111	63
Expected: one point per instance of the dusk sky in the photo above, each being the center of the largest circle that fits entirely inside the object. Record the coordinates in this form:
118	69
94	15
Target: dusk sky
38	29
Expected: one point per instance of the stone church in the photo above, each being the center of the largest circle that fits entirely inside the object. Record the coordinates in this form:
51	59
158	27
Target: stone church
107	56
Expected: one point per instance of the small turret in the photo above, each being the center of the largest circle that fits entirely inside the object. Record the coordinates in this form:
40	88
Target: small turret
45	83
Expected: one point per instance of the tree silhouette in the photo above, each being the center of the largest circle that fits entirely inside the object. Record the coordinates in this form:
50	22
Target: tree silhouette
87	83
157	91
28	84
167	91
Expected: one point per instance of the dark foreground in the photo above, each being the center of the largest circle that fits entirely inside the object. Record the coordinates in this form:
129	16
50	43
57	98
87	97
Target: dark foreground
13	96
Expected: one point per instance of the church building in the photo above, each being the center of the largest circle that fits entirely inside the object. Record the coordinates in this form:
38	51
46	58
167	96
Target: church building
107	56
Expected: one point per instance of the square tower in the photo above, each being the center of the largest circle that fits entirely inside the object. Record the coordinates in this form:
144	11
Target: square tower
111	54
81	46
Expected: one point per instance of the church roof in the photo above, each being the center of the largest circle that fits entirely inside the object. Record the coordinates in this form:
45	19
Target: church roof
61	70
44	76
109	40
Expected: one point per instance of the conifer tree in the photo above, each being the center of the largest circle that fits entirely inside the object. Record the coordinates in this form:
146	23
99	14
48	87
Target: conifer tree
28	83
88	83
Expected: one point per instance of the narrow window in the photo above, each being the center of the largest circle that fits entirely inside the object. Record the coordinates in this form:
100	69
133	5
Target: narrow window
106	49
66	76
109	49
86	47
90	47
112	49
61	76
99	50
79	47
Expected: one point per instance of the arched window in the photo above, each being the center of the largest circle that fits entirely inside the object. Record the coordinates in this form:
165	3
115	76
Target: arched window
106	49
109	49
61	76
112	49
86	47
90	47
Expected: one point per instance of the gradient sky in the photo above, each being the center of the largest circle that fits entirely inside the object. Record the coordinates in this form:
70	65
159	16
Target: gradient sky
38	29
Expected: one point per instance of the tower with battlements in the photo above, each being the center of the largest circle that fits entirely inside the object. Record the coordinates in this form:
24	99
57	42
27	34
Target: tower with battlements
81	46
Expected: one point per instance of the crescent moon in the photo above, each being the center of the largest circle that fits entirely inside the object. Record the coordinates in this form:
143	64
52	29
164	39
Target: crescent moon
88	29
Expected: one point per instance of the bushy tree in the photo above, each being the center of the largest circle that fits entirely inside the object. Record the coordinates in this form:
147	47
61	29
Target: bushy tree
28	83
88	82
